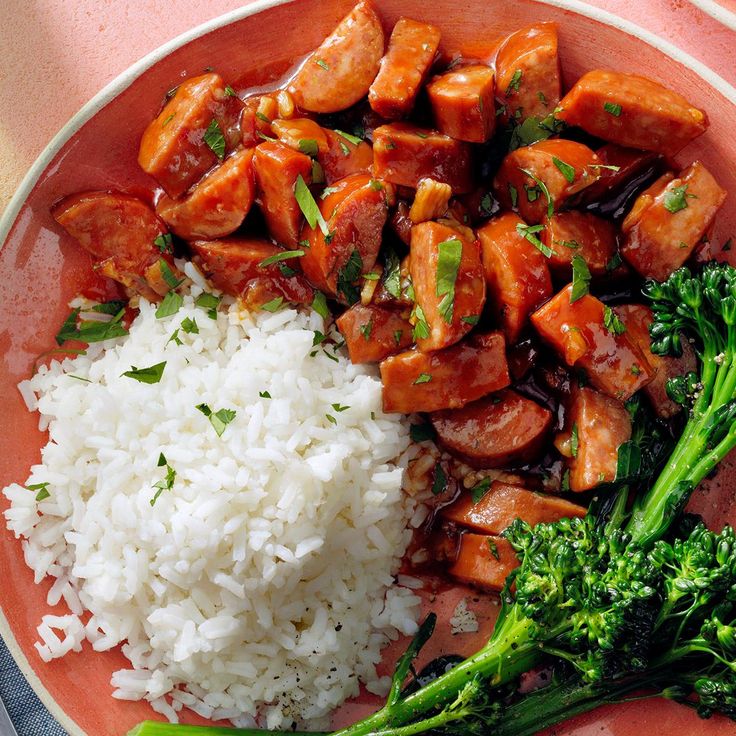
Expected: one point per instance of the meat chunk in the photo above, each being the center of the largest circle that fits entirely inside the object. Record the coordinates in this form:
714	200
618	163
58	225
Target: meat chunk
218	204
669	219
404	154
632	111
503	503
415	381
564	168
344	157
355	212
502	429
462	103
301	134
516	273
411	51
484	561
373	333
448	283
197	126
277	169
637	319
338	73
596	426
528	73
585	335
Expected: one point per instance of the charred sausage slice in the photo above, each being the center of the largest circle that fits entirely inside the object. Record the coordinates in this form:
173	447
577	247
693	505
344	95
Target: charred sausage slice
344	157
373	333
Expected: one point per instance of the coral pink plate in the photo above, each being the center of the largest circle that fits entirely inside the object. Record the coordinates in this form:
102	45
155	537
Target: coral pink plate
40	270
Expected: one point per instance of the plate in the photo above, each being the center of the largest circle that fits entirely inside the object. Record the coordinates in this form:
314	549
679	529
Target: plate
41	270
724	11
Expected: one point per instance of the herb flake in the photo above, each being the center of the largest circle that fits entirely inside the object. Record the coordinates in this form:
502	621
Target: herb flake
150	375
214	138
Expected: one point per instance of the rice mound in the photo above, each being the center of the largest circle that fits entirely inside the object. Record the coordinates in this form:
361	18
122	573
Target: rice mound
262	583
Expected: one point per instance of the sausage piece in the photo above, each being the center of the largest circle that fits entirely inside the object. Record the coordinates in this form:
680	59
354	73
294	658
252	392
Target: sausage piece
583	334
411	51
632	111
516	273
494	431
355	212
415	381
277	168
338	73
596	426
484	561
462	103
564	167
218	204
121	233
503	503
637	319
174	147
344	157
373	333
403	154
448	283
572	233
528	73
667	222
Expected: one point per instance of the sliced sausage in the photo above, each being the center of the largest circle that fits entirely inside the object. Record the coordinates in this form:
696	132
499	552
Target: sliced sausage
411	51
277	168
495	431
264	289
516	273
338	73
448	283
528	73
637	319
415	381
174	147
667	223
355	212
373	333
596	426
403	154
301	134
503	503
484	561
564	167
462	103
121	233
584	335
218	204
572	233
632	111
344	157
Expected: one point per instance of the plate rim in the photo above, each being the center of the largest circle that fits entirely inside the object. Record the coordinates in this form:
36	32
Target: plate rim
123	80
717	11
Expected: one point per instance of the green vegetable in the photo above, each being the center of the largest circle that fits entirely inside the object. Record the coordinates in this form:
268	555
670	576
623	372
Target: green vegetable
439	482
230	92
534	129
480	489
567	171
348	275
366	329
190	326
152	374
529	233
274	305
392	273
165	243
319	304
612	322
214	138
90	331
542	188
308	146
423	378
170	304
421	326
284	255
42	490
448	264
308	206
513	85
168	274
167	483
675	199
218	419
613	107
580	278
322	63
210	302
348	137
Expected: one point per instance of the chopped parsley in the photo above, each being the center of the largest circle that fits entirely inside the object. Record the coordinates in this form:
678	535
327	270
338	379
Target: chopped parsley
42	492
214	138
574	442
513	85
210	302
322	63
439	483
168	275
448	265
635	370
366	330
263	118
423	378
167	483
480	489
264	394
392	273
230	92
675	199
308	206
580	278
528	232
190	326
614	263
492	546
514	194
318	339
612	107
318	173
612	322
308	146
344	148
171	304
338	407
421	327
274	305
167	120
218	419
284	255
470	319
565	169
352	138
164	242
152	374
397	336
93	331
319	304
347	275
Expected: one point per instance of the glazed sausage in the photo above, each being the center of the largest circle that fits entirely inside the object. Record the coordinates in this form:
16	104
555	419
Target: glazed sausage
596	426
667	222
174	148
632	111
484	561
338	73
263	289
411	51
218	204
403	154
516	273
494	431
462	103
344	157
415	381
503	503
572	233
120	232
373	333
637	319
528	73
355	212
451	306
565	167
614	363
277	168
301	134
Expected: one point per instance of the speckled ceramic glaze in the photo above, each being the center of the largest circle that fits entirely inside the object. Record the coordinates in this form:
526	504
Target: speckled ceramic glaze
41	270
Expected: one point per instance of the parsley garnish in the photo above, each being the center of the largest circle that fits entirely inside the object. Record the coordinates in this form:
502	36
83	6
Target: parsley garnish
613	107
164	242
167	483
471	319
152	374
168	274
319	304
210	302
421	327
93	331
439	483
284	255
42	489
448	265
580	278
423	378
230	92
264	394
675	199
338	407
392	274
214	138
322	63
308	146
397	336
274	305
308	206
190	326
352	138
635	370
491	544
515	82
529	233
330	418
614	263
318	338
171	304
347	275
611	321
480	489
543	187
218	419
514	194
366	330
567	171
574	442
263	118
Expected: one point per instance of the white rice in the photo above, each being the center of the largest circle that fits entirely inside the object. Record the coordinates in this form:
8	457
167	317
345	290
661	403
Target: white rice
262	584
